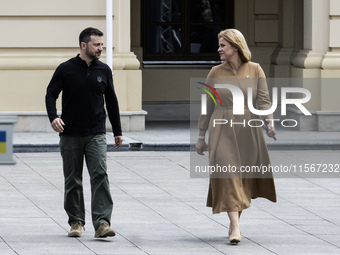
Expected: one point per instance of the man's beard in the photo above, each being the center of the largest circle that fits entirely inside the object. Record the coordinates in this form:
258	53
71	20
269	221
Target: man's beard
91	55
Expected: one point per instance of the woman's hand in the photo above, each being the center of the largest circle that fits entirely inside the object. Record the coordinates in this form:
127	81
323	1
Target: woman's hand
270	129
201	146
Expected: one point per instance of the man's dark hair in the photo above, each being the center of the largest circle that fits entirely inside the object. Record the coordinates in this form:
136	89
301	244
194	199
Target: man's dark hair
85	35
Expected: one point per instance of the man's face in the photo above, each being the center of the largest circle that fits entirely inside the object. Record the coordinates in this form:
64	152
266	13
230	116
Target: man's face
94	47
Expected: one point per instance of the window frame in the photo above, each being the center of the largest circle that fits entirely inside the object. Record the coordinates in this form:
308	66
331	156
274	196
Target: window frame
185	58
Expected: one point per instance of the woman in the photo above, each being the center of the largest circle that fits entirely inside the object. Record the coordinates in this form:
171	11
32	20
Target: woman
237	145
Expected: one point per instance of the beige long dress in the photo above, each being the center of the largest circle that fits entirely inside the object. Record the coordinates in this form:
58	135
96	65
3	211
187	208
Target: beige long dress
237	145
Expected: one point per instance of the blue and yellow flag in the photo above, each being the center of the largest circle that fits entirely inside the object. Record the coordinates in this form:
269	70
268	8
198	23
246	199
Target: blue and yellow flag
2	141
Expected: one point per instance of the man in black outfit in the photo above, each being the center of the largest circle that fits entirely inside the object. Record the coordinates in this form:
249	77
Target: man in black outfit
85	82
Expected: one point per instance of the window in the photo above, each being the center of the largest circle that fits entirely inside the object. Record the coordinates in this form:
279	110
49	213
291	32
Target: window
184	30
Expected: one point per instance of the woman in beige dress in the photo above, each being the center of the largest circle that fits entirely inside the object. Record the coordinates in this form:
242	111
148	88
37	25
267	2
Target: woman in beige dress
236	145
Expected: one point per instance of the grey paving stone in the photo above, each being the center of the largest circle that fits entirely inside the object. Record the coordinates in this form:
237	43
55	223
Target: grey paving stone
159	209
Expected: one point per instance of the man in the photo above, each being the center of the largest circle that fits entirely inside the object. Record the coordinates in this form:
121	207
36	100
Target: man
85	82
209	41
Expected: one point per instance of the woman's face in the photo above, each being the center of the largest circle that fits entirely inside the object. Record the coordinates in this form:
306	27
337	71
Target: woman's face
226	51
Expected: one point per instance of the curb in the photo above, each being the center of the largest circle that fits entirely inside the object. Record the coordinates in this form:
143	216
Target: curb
138	146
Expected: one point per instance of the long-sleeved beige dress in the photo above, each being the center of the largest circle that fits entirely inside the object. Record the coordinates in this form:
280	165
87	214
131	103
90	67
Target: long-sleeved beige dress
237	145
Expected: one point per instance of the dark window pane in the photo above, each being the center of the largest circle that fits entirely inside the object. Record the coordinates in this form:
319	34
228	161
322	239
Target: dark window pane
203	38
204	10
196	10
163	39
181	29
163	11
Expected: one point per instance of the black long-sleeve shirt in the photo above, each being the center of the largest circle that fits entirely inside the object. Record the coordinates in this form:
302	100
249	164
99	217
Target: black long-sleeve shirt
83	90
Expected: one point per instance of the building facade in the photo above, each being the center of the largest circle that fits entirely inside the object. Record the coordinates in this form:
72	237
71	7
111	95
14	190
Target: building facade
39	35
159	45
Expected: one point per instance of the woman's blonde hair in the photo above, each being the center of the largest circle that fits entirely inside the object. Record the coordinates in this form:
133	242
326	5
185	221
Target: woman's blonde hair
237	40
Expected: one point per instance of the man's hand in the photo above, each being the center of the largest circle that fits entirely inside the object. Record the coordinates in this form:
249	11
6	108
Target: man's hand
58	125
118	141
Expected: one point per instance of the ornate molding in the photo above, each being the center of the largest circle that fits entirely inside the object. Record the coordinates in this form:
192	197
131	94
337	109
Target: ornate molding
282	56
49	59
308	59
331	61
125	61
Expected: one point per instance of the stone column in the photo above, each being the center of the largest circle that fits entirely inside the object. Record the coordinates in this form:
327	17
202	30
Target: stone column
308	61
315	62
126	73
329	114
288	24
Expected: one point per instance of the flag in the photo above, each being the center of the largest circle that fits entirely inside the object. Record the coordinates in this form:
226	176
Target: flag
2	142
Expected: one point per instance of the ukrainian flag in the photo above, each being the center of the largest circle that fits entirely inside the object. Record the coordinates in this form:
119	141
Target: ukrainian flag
2	142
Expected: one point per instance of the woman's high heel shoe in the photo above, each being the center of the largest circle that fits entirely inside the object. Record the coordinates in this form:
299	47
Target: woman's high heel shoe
234	239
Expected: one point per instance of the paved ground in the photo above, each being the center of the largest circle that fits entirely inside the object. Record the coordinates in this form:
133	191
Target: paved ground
159	209
177	136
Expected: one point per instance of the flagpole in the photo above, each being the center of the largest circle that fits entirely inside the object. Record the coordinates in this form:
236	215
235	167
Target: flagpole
109	33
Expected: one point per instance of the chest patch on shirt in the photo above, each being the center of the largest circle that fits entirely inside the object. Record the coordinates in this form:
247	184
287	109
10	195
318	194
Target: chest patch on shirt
99	79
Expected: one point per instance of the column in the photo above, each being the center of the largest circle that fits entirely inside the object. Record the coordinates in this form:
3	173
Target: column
288	24
309	63
329	114
127	75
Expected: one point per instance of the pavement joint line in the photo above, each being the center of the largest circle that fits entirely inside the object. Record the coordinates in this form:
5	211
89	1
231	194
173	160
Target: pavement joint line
305	219
162	216
296	227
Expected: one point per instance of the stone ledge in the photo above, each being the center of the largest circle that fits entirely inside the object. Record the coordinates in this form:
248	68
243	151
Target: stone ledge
38	121
325	121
